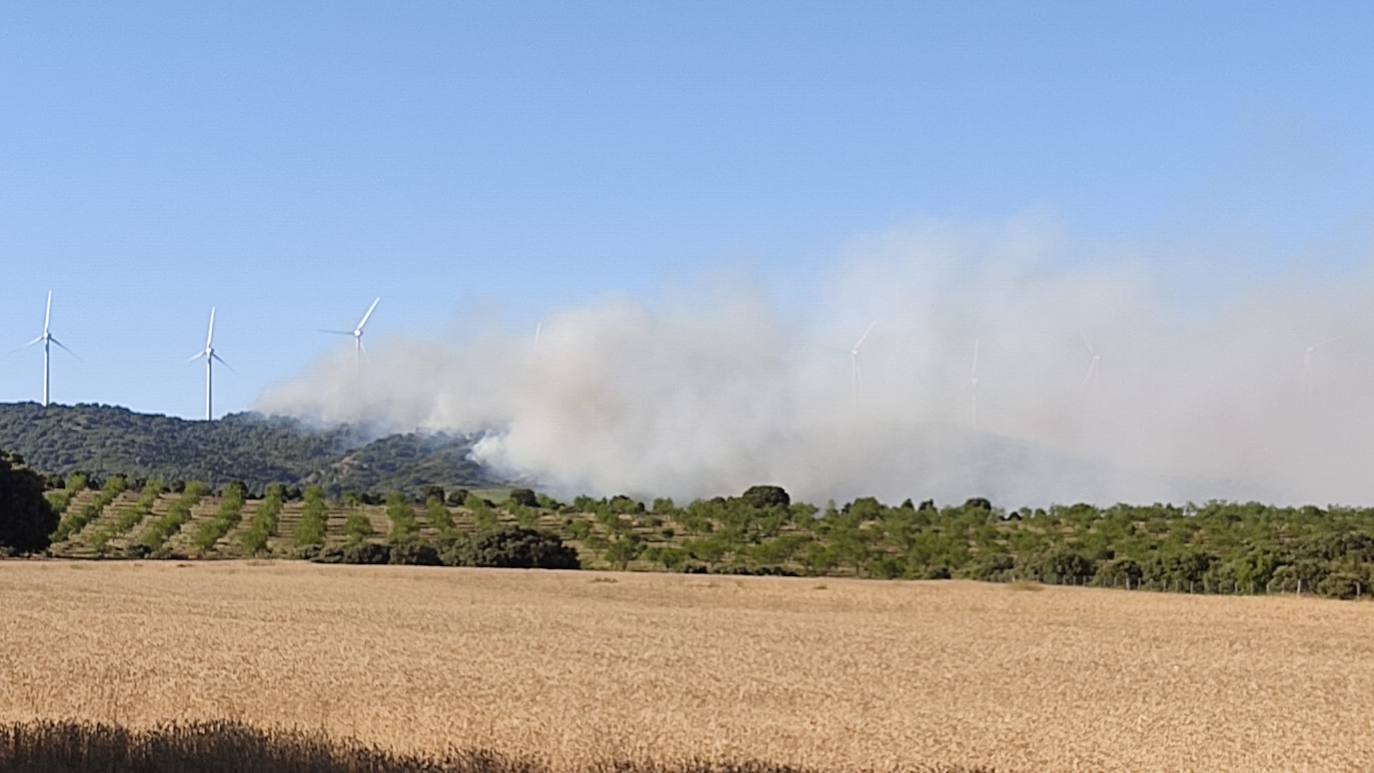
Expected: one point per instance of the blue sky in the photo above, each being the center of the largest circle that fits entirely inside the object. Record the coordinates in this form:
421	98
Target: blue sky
289	163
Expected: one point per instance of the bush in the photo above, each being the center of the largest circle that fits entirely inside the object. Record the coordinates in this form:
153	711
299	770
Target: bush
1119	572
1061	565
991	567
361	553
26	518
1341	585
515	548
413	552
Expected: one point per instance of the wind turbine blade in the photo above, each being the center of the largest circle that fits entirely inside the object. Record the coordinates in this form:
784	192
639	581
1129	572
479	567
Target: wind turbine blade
195	356
362	347
1092	371
1087	344
220	360
973	373
47	314
363	322
336	332
858	344
63	347
37	340
210	336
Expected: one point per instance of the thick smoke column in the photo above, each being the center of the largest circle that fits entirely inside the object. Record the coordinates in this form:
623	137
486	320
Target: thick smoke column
708	392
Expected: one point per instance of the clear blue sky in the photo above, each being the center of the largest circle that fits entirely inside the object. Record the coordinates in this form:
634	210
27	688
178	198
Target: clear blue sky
289	161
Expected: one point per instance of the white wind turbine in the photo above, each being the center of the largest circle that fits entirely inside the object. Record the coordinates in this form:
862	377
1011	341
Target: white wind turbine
210	356
854	359
1094	361
47	338
357	332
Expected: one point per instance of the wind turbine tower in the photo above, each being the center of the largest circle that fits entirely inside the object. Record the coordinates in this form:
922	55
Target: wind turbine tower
854	359
47	339
210	356
357	332
973	386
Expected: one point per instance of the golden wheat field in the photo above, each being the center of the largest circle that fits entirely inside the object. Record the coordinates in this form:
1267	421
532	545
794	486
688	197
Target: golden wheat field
577	667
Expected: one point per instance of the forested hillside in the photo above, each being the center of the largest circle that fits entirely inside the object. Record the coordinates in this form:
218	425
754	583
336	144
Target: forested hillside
103	440
408	463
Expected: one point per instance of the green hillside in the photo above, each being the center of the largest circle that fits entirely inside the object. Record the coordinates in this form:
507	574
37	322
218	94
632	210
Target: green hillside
103	440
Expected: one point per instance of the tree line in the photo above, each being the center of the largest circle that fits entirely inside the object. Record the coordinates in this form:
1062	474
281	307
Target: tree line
1213	547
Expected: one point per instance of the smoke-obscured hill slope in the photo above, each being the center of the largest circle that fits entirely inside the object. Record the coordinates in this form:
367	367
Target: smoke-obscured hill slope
408	463
107	440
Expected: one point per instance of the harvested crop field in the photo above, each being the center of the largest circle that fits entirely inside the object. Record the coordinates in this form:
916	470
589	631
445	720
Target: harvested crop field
582	667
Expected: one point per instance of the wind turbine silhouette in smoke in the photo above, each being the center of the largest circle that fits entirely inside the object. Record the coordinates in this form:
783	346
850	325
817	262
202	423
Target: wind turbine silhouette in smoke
357	332
854	371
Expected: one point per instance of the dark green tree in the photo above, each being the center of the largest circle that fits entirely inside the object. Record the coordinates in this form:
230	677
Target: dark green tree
761	497
26	518
523	497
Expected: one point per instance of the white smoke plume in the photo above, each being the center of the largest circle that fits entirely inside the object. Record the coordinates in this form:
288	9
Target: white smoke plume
705	392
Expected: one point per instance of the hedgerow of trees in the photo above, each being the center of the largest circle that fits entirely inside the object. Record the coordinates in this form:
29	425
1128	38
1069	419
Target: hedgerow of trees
1214	547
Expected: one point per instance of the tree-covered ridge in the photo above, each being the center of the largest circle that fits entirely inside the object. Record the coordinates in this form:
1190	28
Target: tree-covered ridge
104	441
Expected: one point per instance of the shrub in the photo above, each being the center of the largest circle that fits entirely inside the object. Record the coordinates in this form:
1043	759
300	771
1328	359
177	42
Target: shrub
1119	572
360	553
1341	585
413	552
1061	565
991	567
514	548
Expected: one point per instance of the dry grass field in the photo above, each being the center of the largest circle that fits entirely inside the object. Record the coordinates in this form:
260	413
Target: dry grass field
576	667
